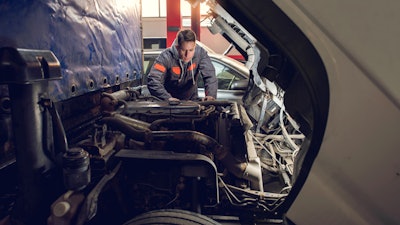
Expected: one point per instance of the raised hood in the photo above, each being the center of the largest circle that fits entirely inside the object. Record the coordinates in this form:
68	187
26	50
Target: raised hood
282	63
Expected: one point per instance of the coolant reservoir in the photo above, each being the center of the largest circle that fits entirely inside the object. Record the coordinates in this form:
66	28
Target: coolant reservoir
76	169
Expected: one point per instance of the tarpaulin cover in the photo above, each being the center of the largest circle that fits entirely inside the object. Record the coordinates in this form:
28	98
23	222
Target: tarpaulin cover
98	42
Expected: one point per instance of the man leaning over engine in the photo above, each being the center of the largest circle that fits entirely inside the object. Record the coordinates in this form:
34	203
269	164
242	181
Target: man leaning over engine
174	74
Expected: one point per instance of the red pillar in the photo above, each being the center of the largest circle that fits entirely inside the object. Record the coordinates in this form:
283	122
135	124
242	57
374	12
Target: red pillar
195	20
174	20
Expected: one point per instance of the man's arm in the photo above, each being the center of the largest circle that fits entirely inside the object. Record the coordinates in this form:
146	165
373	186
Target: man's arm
156	78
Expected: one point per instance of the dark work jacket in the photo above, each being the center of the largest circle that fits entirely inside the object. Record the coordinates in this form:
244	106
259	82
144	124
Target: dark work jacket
170	77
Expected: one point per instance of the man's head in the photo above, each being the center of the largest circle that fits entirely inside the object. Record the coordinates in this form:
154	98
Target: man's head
186	44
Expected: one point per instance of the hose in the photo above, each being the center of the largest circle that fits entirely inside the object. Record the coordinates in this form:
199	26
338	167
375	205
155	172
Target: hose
188	135
128	130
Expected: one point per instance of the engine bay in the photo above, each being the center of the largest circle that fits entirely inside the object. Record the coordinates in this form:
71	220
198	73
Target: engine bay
204	157
136	154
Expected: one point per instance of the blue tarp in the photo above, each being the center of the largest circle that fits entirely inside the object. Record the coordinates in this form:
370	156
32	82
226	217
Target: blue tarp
98	42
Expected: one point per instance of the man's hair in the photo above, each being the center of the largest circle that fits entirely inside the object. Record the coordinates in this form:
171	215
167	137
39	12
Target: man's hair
185	35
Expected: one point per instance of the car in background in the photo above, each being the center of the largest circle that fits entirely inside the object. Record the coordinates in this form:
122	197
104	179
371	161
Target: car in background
232	75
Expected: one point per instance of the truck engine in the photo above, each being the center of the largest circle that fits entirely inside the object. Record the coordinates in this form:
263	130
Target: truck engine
198	156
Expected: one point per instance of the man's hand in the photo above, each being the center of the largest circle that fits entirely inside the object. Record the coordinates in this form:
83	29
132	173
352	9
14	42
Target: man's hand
208	98
172	99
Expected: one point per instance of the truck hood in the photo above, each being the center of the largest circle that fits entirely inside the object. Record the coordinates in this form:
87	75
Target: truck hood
282	63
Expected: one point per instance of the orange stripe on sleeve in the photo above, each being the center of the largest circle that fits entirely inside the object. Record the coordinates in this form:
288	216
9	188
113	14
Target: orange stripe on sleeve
192	66
176	70
159	67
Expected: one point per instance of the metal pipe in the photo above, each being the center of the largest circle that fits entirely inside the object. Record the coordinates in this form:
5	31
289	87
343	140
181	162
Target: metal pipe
216	103
247	124
129	130
30	158
157	124
27	73
188	135
118	95
137	124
